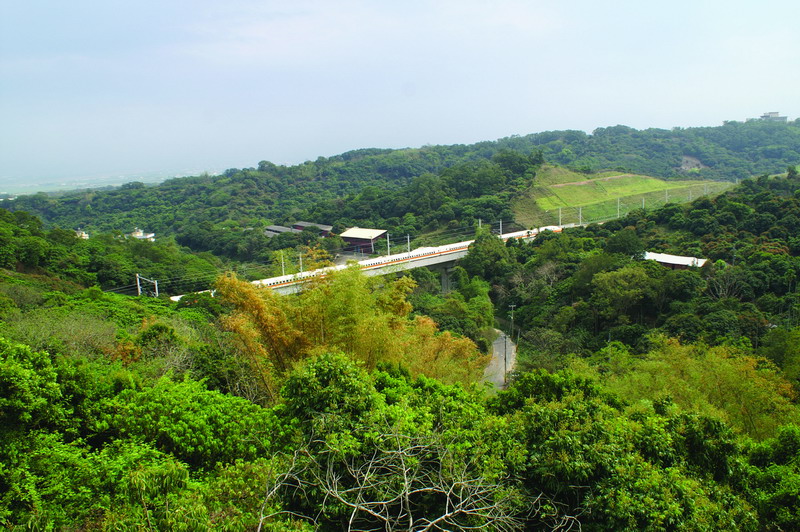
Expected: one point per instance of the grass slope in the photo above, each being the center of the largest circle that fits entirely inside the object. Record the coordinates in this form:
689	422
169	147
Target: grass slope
579	197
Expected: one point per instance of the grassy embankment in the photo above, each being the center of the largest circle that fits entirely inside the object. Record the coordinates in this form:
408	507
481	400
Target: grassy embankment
601	196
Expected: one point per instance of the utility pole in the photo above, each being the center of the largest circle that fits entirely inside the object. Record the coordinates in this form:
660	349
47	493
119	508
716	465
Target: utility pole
388	244
505	359
408	243
505	347
559	216
501	227
283	266
139	280
580	215
301	262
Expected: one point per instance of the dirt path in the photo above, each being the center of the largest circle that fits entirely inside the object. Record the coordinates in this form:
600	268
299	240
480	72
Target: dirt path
589	181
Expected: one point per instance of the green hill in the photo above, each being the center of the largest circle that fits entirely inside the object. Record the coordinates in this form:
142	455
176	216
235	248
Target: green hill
419	190
560	195
644	398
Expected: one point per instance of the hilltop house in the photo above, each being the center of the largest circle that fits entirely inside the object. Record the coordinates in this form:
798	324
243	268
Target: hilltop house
141	235
771	116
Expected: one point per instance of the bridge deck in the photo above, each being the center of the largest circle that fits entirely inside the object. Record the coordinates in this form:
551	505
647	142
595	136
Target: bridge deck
417	258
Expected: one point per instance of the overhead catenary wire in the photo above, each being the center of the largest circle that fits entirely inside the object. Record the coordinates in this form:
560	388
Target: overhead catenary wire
461	232
399	242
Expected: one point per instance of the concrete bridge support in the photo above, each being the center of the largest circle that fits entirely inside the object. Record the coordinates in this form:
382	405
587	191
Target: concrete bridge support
444	270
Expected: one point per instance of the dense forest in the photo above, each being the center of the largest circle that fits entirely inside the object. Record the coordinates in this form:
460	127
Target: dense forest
408	192
105	259
645	398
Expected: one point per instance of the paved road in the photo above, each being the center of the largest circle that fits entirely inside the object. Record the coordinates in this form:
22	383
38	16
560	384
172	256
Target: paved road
504	355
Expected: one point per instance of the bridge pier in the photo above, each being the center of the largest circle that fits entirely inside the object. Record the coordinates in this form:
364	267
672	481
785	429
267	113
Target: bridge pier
444	270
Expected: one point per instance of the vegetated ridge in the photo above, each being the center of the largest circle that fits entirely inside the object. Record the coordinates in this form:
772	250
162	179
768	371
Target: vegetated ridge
646	397
411	191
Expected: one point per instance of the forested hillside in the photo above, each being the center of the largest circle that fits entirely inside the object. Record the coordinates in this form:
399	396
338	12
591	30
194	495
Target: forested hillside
406	191
645	398
105	260
593	281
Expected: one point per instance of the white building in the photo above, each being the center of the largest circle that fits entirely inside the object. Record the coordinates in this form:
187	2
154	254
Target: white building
676	262
141	235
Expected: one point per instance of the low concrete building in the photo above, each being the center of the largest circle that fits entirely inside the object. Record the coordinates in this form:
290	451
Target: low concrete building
771	116
675	262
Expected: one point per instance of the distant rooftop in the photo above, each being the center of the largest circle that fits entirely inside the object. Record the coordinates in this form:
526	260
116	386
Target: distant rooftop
360	232
281	229
675	260
323	227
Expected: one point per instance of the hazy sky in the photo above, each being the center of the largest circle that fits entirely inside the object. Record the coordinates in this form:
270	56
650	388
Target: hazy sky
108	88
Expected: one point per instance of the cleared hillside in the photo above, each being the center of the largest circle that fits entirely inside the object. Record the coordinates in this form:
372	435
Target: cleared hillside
560	195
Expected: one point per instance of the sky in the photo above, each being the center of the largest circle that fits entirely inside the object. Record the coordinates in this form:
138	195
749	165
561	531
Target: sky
94	90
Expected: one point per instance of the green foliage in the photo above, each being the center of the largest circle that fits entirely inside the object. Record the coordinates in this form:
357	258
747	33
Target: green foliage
466	311
328	390
553	450
724	382
544	386
615	469
109	428
199	427
620	294
29	393
105	260
626	242
775	478
487	257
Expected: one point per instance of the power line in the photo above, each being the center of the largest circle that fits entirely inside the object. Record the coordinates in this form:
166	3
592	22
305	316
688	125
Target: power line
400	242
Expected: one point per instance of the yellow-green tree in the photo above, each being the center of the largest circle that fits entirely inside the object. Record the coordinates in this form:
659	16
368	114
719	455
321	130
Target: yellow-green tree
268	339
366	318
726	382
